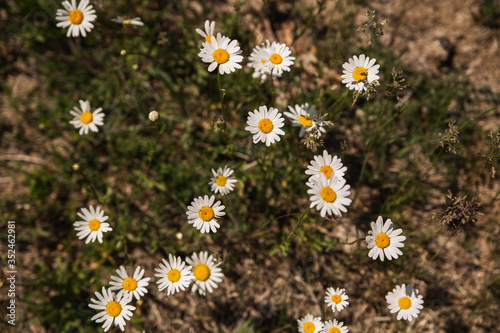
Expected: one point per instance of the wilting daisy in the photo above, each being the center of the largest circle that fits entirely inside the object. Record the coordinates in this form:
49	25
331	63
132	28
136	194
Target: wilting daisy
404	300
336	298
359	71
304	117
135	285
206	272
114	308
327	165
132	21
92	225
222	180
329	195
257	60
76	18
265	125
335	327
278	58
203	213
209	31
222	52
86	119
384	240
174	275
310	324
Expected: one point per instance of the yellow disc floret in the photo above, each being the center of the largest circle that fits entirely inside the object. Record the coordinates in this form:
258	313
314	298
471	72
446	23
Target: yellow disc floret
404	303
86	117
220	180
208	39
360	73
275	59
309	327
265	125
129	284
305	121
201	272
113	308
94	224
327	170
327	194
336	299
174	275
221	56
76	16
333	330
382	240
206	213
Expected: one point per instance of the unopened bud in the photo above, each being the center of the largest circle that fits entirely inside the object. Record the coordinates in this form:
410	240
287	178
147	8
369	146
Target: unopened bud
154	116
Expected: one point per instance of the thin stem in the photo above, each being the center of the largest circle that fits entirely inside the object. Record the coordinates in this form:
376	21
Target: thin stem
272	87
91	186
300	217
150	160
222	93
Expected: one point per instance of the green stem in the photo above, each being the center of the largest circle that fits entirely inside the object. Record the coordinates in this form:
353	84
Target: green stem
222	93
151	155
91	186
271	79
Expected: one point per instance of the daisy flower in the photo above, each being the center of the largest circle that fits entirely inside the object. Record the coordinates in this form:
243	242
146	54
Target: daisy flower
405	301
384	240
209	31
222	180
86	119
76	18
203	213
132	21
359	71
174	275
206	272
336	298
134	285
92	225
257	60
278	58
329	195
310	324
265	125
327	165
335	327
304	117
222	52
113	309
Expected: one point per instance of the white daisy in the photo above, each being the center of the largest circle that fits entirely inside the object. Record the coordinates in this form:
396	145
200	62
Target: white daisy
209	31
336	298
335	327
206	272
265	125
359	71
222	52
329	195
222	180
310	324
135	285
174	275
257	60
384	240
327	165
86	119
278	56
113	309
76	18
203	213
124	21
304	117
404	300
92	225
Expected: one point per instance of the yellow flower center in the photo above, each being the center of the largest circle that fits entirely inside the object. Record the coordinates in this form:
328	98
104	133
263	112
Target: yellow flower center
336	299
334	330
327	194
382	240
129	284
94	225
327	170
208	39
206	213
126	22
404	303
221	56
265	125
309	327
263	61
276	59
76	16
174	275
221	180
201	272
360	73
305	121
113	308
86	117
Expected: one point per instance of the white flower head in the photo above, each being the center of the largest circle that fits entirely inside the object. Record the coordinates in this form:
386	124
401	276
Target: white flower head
335	327
174	275
359	71
278	58
304	116
113	308
257	60
209	31
77	18
203	213
134	285
222	52
330	166
206	271
329	195
310	324
93	224
222	180
384	240
84	119
336	298
405	301
265	125
125	21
